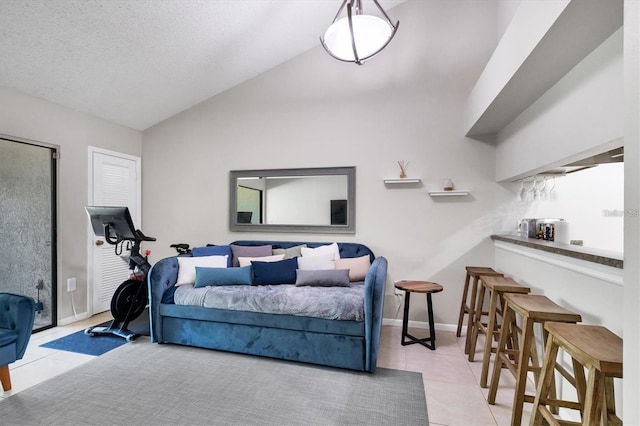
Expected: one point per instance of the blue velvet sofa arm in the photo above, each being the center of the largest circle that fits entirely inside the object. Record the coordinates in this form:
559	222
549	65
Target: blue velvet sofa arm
162	276
374	283
17	313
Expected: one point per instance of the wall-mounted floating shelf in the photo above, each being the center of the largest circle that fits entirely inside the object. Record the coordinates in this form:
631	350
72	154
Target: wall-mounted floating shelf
455	193
402	181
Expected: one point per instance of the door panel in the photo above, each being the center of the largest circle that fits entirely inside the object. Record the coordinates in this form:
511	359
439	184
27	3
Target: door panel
115	182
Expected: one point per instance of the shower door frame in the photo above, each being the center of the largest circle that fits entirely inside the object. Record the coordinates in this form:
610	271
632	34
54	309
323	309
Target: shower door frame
55	155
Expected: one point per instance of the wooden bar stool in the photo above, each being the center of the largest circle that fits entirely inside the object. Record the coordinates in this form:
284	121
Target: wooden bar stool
497	287
592	347
530	309
474	272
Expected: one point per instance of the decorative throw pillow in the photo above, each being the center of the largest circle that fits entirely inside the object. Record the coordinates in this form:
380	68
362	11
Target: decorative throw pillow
290	252
213	251
222	276
187	267
330	248
246	261
281	272
326	278
249	251
357	266
321	261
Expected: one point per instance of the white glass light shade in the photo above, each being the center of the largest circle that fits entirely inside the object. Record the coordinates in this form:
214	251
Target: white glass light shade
370	34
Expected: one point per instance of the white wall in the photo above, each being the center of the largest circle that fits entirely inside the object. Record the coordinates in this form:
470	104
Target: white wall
313	111
27	117
631	304
583	111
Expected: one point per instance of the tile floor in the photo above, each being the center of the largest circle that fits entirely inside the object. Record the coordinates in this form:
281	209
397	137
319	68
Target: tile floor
454	396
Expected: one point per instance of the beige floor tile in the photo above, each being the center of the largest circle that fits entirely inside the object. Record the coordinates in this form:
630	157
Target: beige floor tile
441	367
394	358
456	404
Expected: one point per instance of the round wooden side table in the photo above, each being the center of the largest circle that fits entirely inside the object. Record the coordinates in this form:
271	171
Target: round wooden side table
418	287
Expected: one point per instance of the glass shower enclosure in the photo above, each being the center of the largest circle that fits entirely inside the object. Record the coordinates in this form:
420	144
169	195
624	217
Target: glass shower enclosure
27	225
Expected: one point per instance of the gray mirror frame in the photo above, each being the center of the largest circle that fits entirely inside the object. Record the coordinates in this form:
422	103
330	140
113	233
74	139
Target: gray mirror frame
349	228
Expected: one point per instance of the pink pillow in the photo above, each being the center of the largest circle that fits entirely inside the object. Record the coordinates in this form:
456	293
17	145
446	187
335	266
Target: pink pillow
357	266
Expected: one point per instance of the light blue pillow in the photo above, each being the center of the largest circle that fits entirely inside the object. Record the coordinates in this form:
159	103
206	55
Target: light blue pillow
222	276
322	277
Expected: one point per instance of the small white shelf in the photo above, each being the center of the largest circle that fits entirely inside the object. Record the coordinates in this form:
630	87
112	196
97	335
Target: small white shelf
402	181
455	193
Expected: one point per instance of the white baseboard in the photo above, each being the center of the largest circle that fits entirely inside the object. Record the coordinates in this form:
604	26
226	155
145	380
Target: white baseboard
422	324
75	318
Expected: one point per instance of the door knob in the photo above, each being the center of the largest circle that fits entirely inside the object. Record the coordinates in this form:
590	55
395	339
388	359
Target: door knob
99	242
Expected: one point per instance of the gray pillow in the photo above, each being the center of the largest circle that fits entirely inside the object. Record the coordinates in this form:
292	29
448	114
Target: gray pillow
249	251
295	251
323	277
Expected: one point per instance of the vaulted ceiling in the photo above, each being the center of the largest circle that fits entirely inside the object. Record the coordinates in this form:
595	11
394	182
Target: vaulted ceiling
138	62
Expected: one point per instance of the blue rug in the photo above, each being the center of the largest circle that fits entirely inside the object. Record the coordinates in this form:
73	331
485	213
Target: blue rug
84	344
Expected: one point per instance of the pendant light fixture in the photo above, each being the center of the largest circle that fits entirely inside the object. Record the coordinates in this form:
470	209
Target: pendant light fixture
358	37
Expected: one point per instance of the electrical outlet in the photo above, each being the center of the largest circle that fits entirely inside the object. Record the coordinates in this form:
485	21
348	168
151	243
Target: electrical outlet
71	284
398	292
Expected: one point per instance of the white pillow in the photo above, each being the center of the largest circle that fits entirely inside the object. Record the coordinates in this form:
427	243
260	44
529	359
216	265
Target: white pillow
330	248
316	262
246	261
187	266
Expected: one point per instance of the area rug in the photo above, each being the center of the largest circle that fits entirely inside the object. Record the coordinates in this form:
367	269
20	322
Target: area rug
143	383
82	343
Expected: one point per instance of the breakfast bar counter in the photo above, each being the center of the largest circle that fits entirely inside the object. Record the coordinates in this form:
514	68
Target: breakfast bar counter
603	257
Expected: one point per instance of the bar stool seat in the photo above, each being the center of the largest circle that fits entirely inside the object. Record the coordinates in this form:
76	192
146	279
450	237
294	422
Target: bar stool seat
497	287
474	272
531	309
593	348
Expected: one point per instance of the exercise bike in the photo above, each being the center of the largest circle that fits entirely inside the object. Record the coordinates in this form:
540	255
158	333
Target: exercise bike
130	298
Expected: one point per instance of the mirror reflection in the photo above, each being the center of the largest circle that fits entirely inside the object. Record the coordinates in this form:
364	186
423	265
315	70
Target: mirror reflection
296	200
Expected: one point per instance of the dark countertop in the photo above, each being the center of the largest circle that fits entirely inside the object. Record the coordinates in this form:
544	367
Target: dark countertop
603	257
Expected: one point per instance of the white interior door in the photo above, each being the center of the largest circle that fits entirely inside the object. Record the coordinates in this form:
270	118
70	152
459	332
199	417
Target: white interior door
115	181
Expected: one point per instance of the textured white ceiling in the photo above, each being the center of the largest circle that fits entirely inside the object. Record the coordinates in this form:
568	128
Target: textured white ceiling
138	62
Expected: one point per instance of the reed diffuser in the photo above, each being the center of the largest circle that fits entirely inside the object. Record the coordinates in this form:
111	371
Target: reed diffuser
403	166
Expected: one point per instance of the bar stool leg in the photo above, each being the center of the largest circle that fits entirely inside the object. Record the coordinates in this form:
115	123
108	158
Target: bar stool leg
463	306
595	398
609	410
499	364
477	319
523	364
493	305
545	383
471	318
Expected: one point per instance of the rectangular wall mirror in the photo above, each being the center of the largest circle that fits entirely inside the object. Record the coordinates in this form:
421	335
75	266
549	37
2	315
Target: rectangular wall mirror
310	200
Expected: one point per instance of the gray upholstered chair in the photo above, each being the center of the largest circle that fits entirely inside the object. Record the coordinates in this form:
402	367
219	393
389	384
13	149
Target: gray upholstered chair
16	323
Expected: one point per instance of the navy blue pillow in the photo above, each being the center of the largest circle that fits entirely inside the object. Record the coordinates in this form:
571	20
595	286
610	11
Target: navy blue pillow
222	276
280	272
213	251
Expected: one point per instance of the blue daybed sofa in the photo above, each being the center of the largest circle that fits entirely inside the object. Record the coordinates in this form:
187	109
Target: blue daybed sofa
337	343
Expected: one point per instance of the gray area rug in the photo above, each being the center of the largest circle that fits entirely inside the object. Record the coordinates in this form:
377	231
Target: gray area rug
142	383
